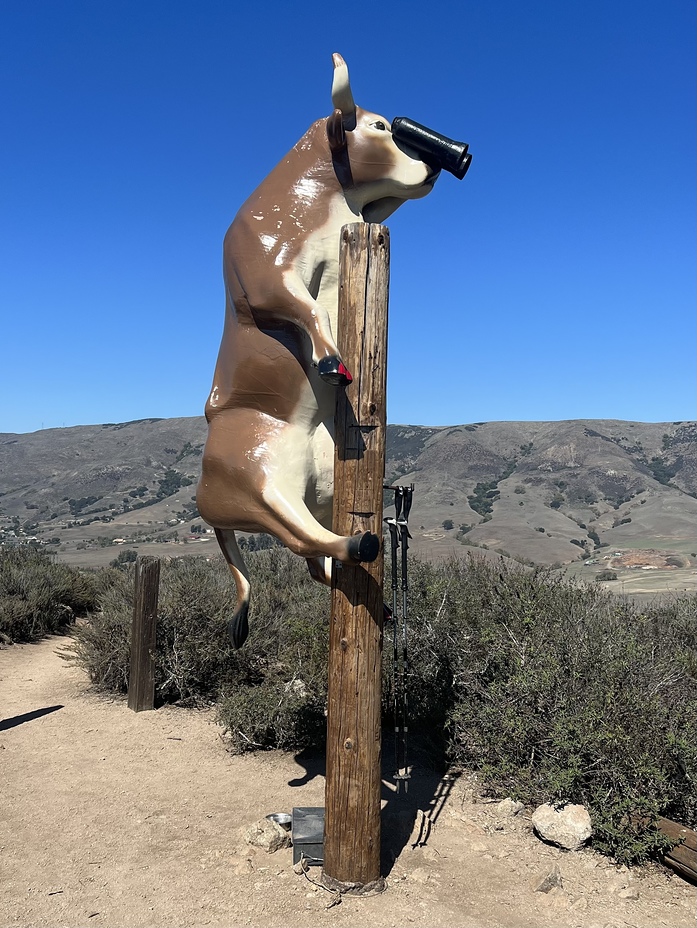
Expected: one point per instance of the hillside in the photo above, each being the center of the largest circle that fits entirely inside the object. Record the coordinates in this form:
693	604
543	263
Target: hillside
541	492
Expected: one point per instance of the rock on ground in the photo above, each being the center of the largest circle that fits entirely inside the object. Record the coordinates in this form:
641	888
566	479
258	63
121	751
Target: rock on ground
549	881
267	835
568	826
508	808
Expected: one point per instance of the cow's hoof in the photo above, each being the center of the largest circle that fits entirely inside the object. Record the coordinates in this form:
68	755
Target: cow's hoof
365	547
238	626
333	371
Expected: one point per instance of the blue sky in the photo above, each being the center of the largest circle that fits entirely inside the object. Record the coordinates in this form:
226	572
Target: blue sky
556	281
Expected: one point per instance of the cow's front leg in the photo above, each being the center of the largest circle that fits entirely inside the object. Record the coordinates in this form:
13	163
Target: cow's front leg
302	310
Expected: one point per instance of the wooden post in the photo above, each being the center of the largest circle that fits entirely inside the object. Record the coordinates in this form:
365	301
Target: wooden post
683	857
141	681
353	784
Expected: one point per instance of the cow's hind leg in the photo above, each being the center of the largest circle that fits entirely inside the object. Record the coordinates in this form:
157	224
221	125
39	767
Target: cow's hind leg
297	529
238	626
320	569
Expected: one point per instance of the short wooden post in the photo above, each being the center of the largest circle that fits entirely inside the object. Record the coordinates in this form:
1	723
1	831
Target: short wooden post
141	681
353	784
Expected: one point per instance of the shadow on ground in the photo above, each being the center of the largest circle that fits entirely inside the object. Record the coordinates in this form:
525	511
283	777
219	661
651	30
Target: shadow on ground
408	816
16	720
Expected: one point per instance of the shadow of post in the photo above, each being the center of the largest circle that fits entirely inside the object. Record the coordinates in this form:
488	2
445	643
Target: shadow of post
6	724
408	817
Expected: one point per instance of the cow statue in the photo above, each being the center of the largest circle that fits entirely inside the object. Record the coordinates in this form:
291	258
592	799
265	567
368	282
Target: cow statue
269	458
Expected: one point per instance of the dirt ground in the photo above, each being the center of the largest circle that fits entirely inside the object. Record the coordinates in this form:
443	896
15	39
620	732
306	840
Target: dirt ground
113	818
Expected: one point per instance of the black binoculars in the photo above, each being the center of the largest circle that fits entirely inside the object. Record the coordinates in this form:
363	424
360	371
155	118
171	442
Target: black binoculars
433	148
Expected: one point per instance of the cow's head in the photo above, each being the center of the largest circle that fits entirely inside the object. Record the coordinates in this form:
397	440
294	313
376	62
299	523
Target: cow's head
377	174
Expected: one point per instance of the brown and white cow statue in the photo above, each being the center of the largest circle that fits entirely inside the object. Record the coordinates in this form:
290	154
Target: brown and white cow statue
269	458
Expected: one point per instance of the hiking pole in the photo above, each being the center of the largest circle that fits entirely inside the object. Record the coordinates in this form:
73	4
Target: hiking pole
399	531
399	681
403	522
394	544
400	720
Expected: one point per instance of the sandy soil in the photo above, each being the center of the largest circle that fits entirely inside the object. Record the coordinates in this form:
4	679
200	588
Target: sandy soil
113	818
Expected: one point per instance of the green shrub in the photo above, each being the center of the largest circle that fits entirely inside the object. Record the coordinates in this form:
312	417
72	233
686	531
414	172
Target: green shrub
196	662
273	715
483	498
125	556
563	693
171	482
661	471
430	674
102	646
39	596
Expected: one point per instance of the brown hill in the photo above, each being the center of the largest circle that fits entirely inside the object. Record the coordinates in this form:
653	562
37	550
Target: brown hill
541	492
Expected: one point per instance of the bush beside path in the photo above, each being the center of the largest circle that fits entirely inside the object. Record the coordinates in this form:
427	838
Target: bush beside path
115	818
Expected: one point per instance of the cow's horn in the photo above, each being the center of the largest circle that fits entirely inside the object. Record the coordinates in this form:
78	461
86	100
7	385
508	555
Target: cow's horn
342	98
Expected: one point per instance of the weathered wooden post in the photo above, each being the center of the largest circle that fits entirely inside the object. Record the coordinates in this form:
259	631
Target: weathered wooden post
353	784
141	681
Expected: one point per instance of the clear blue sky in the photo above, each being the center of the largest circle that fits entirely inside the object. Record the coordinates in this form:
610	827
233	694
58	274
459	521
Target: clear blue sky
556	281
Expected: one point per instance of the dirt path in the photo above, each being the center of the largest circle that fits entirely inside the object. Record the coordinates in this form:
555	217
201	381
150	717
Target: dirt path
113	818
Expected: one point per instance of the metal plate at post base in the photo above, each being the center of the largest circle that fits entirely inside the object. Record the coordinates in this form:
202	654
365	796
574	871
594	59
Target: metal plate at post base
307	832
353	889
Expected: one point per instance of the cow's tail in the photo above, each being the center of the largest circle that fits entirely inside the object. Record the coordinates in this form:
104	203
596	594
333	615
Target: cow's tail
238	627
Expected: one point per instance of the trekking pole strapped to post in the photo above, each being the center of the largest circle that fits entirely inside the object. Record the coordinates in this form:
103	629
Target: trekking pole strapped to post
394	544
399	535
408	493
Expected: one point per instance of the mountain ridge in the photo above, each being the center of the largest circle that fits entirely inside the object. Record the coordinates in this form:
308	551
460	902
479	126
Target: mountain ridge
546	493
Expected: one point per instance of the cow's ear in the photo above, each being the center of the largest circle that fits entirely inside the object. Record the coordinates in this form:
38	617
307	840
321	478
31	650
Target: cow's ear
336	132
342	97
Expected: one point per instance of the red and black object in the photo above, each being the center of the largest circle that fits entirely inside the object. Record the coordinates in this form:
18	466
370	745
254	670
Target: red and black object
332	370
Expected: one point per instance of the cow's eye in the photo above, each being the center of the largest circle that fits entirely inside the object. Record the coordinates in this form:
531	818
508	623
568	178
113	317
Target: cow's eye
380	125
